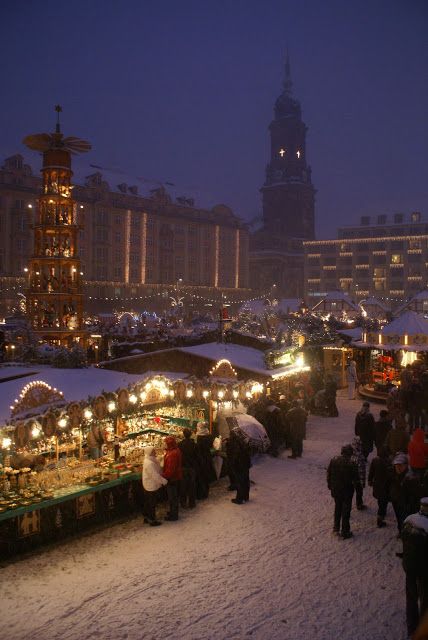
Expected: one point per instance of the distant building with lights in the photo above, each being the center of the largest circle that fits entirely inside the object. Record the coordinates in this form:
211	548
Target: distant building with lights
385	258
131	246
276	255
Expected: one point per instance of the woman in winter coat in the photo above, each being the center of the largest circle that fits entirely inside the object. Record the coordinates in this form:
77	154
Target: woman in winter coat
172	471
152	482
380	476
359	459
418	452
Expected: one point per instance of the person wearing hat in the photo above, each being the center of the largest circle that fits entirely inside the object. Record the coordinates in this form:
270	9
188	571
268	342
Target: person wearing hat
404	491
365	428
342	480
152	482
415	565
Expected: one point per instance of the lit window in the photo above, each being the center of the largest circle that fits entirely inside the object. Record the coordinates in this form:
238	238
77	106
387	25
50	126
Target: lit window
282	152
396	258
298	154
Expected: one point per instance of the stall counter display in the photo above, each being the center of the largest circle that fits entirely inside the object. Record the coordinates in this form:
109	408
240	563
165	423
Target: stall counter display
59	502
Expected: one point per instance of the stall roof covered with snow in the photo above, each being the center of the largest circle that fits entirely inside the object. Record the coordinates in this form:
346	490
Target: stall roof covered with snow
336	303
408	332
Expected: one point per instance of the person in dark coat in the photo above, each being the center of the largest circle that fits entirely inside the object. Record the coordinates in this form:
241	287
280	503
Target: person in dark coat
296	419
381	429
189	454
364	428
330	392
415	404
405	490
274	427
380	477
239	460
205	471
397	440
342	479
415	565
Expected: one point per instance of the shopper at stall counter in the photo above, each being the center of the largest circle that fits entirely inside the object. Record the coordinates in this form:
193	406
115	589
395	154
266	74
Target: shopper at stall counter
205	472
190	459
173	472
152	481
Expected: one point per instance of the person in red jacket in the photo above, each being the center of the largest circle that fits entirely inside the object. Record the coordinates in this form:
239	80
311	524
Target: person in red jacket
172	471
418	452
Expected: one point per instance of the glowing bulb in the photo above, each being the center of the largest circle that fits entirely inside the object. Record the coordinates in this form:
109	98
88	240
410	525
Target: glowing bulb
235	394
62	422
143	395
35	432
111	406
6	442
133	398
189	393
205	394
171	393
221	394
88	414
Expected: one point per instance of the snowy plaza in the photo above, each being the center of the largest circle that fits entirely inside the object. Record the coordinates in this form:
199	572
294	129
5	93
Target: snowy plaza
270	568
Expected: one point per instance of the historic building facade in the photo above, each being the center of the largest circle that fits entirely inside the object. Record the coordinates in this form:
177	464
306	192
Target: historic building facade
288	201
131	246
386	258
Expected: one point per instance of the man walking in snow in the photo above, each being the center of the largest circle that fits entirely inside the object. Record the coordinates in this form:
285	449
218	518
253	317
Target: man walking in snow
342	479
296	419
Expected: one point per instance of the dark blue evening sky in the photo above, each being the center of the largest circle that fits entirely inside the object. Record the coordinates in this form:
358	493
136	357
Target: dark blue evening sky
184	91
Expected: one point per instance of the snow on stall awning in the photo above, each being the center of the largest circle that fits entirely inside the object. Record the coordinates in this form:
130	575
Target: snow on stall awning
410	323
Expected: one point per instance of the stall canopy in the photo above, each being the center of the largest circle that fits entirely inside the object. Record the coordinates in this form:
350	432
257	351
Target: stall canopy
410	323
409	332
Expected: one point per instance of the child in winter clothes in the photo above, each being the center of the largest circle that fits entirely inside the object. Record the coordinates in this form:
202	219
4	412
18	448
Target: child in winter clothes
418	452
359	459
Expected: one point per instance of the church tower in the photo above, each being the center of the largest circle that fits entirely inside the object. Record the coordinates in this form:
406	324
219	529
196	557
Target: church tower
288	196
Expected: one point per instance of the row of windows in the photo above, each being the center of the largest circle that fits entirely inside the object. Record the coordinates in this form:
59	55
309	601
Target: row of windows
367	246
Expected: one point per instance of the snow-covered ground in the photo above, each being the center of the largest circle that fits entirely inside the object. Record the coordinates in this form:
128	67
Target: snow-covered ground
270	569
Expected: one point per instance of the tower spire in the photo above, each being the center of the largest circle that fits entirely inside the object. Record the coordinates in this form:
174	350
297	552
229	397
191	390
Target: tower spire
58	110
287	78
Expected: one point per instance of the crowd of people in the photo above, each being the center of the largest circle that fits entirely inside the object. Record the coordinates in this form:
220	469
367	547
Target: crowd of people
186	474
397	474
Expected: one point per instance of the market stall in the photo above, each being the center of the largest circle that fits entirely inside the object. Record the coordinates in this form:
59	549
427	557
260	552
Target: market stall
402	342
69	466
